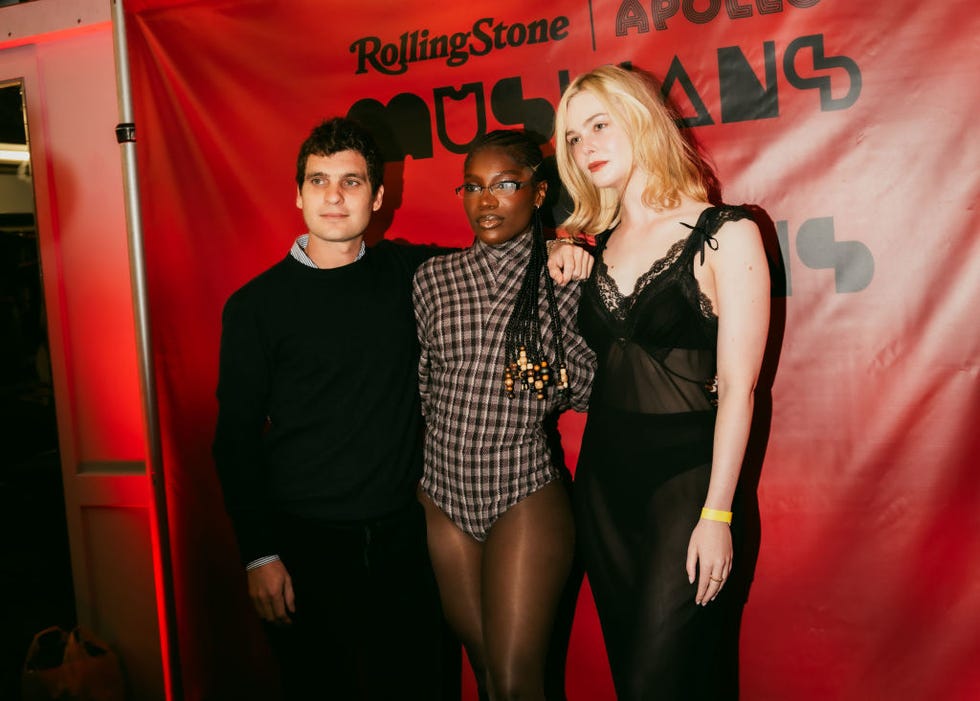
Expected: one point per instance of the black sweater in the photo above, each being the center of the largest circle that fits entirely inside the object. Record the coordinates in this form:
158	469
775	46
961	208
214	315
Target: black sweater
318	395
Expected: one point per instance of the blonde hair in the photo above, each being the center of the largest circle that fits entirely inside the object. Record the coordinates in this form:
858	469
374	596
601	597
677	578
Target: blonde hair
672	165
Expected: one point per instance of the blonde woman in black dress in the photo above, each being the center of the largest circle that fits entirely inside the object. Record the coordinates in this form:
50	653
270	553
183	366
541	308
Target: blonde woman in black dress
677	311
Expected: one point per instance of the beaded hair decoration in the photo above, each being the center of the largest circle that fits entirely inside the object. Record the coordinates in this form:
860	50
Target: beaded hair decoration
525	364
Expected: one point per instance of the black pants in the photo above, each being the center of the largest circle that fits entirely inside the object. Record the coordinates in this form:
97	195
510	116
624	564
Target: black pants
367	623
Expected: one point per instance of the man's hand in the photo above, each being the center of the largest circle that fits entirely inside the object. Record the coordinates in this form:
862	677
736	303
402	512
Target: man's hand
567	262
271	590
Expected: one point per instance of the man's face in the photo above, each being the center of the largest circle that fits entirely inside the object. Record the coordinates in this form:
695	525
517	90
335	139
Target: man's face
336	197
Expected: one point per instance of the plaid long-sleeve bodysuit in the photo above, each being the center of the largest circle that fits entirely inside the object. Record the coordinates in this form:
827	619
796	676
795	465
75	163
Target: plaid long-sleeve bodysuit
485	451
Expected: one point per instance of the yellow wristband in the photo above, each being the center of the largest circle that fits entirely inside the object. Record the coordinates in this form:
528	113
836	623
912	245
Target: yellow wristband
716	515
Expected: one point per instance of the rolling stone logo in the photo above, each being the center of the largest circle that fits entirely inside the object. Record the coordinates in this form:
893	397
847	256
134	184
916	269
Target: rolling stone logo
486	35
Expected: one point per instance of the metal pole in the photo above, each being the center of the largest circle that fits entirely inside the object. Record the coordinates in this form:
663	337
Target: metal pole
126	136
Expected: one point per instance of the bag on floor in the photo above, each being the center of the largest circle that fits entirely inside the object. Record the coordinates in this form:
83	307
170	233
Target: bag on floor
75	666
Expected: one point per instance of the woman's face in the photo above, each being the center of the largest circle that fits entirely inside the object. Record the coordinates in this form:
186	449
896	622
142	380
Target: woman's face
498	216
598	144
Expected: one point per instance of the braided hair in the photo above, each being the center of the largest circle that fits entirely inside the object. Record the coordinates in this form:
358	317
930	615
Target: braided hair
524	363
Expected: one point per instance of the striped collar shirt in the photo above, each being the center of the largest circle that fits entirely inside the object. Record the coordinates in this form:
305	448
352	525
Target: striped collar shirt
298	251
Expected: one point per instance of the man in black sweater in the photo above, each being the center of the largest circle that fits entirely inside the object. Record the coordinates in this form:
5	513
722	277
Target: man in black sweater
318	442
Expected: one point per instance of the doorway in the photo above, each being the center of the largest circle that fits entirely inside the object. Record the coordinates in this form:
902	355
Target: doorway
35	567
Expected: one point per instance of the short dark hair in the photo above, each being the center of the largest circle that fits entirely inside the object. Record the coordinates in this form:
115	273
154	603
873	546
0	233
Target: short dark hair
341	134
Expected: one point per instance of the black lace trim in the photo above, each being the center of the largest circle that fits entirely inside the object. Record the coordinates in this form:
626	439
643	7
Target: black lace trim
618	303
702	236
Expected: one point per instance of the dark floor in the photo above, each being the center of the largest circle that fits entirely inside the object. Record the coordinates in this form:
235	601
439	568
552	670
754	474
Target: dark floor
35	570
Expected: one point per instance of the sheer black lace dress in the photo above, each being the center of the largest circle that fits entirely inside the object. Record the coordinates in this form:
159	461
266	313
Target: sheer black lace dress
643	474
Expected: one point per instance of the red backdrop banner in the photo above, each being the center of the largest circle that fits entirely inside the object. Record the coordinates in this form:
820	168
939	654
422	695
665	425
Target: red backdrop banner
850	126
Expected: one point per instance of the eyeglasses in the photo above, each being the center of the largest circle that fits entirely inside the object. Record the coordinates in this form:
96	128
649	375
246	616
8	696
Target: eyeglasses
505	188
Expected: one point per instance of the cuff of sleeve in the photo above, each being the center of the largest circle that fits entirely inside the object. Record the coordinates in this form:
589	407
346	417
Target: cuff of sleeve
261	561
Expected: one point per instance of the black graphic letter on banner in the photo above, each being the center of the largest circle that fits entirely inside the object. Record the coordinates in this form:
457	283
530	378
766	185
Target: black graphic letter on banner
853	263
743	96
441	94
401	129
820	62
510	107
677	74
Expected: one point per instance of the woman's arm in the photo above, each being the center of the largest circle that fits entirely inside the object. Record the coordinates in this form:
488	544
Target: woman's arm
741	285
